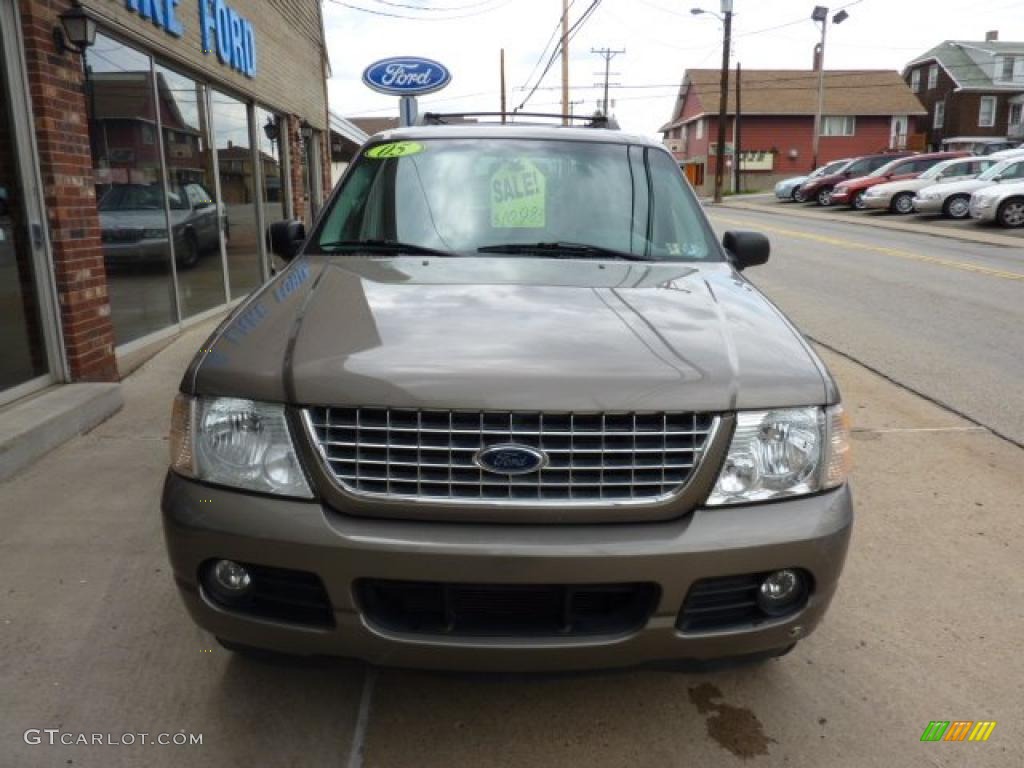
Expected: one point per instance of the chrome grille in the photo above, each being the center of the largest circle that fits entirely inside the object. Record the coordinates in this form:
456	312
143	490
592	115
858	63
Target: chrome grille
429	454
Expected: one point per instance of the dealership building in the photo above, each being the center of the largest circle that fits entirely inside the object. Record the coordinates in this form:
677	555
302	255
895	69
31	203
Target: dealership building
145	145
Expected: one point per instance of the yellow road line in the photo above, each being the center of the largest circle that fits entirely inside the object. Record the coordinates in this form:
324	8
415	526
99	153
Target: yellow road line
897	252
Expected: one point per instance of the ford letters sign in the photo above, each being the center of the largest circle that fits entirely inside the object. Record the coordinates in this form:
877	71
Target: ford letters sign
406	76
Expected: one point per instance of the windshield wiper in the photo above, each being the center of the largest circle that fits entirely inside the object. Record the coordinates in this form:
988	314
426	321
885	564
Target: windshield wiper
562	249
386	246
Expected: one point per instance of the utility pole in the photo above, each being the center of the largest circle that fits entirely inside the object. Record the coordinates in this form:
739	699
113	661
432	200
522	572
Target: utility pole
607	54
723	102
822	12
565	61
737	146
503	86
820	15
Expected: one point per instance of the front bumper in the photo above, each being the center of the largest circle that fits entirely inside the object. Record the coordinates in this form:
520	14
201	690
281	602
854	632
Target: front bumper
983	214
140	252
202	522
928	206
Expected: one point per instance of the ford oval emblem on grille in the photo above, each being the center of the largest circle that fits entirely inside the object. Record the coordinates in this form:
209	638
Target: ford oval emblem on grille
511	459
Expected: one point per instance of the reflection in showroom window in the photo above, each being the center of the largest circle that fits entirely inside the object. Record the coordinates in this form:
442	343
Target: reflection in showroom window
129	190
197	218
235	164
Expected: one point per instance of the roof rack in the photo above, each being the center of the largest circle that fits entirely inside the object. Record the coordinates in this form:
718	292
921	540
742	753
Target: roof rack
592	121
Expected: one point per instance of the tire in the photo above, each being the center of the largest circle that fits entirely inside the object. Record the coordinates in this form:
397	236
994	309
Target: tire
824	196
902	204
188	257
799	196
858	201
957	207
1011	213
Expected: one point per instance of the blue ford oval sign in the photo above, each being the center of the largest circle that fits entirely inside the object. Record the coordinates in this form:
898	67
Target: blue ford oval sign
406	76
511	459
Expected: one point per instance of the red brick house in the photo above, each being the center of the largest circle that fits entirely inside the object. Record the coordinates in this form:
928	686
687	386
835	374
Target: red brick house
971	90
864	111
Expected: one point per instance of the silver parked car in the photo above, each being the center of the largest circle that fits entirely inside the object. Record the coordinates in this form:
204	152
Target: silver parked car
133	224
509	406
789	189
1001	203
953	199
898	196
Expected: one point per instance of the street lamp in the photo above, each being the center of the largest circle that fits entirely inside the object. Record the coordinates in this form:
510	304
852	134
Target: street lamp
820	16
723	101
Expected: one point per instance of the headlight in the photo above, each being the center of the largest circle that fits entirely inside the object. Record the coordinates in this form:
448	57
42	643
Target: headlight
785	452
154	234
239	443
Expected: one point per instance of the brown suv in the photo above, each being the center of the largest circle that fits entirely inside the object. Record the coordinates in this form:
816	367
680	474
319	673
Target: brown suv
511	405
819	190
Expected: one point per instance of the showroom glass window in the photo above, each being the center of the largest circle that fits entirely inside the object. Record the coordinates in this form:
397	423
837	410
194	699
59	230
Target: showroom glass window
238	192
127	174
21	330
192	185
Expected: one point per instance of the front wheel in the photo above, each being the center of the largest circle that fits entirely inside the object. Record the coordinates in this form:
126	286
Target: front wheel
1011	213
825	196
188	256
858	201
957	207
903	203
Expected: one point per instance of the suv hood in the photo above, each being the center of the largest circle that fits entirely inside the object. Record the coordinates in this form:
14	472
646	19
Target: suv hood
511	333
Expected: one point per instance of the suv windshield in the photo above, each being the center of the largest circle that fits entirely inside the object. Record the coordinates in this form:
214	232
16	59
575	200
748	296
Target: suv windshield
518	197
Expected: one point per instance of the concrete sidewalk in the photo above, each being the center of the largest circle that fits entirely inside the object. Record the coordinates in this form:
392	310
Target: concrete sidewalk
926	625
935	226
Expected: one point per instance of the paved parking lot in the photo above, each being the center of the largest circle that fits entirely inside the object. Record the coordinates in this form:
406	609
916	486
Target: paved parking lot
926	626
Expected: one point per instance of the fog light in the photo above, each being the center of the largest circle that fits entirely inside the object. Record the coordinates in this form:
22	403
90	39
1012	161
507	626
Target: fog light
231	577
781	591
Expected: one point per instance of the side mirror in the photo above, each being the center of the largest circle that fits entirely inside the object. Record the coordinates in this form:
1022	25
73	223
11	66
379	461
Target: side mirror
286	238
747	249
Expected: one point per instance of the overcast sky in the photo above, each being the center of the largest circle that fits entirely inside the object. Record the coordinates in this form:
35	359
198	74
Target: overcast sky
662	39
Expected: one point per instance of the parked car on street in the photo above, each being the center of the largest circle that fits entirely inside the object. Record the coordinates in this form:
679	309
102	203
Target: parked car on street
510	405
979	145
1001	203
790	189
898	196
953	200
134	224
852	192
820	189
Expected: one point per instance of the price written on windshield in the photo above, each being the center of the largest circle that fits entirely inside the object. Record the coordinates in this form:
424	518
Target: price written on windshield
518	196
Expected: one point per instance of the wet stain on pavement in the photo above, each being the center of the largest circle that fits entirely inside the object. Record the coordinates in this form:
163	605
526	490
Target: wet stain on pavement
736	729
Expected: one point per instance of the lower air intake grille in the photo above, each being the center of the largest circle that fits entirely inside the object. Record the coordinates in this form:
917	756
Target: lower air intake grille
503	610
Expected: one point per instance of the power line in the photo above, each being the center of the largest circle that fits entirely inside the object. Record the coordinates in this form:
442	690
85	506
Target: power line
554	54
390	15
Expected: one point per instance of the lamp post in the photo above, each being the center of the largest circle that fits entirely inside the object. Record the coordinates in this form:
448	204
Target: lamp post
723	101
820	15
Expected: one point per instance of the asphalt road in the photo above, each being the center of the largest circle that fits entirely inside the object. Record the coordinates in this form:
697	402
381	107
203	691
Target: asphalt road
940	316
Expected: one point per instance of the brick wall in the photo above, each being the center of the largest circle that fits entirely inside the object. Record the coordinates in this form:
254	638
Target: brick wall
62	135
